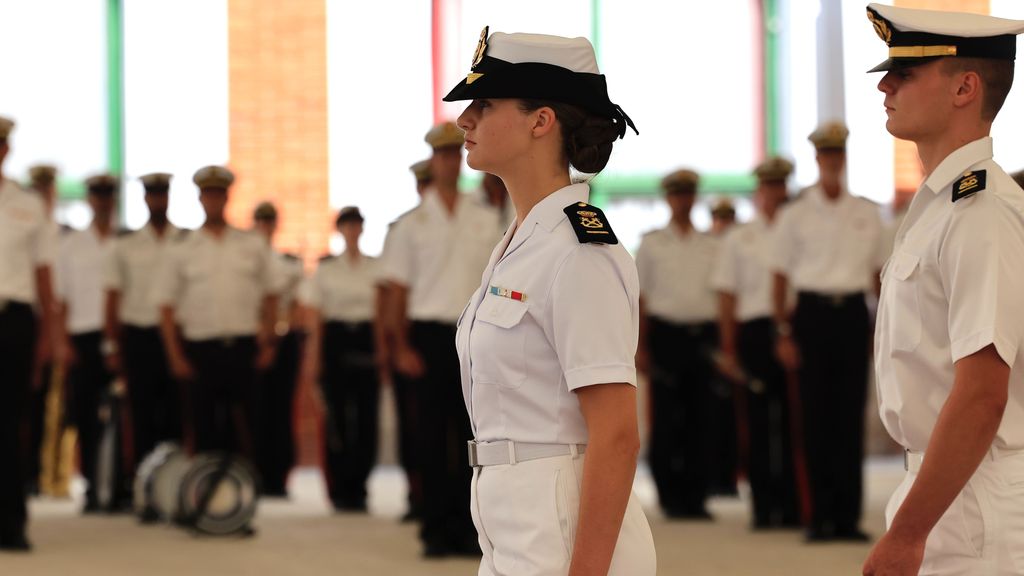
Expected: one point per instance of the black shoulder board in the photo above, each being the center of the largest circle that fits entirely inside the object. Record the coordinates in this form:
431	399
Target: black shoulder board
968	185
590	224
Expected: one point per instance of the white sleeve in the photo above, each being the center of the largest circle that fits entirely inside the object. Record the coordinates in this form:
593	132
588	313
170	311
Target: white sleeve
644	266
784	242
44	252
398	263
112	277
979	263
167	288
725	277
595	315
62	271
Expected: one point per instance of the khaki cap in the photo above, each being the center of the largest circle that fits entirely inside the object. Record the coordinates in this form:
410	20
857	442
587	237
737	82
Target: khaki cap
445	135
681	181
213	177
42	174
830	136
774	169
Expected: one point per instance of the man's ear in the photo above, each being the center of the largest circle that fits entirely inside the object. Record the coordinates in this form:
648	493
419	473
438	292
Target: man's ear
544	121
968	90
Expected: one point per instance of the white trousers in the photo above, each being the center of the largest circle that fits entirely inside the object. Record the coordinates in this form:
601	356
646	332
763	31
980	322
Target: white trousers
982	532
526	515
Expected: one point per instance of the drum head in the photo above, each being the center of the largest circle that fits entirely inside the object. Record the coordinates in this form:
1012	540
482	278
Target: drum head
219	494
143	499
167	484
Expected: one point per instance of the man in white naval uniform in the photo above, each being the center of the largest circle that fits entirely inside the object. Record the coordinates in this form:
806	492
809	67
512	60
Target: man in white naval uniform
948	342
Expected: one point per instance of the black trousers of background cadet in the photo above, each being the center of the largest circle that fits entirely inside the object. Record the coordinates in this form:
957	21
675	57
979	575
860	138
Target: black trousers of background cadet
88	382
222	396
37	419
17	343
274	428
154	397
832	335
681	375
444	430
408	440
351	390
765	393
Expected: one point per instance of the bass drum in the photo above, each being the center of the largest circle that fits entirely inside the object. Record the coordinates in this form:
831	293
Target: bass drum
219	494
167	484
144	498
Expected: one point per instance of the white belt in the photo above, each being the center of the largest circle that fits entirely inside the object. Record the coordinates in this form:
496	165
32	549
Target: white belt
912	461
508	452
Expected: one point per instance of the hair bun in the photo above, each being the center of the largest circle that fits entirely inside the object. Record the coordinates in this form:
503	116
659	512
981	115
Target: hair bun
590	145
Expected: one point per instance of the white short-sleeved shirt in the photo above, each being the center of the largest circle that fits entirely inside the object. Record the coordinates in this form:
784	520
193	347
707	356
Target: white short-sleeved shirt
82	261
829	246
288	276
744	269
439	256
675	274
28	240
954	285
133	262
343	290
574	323
217	286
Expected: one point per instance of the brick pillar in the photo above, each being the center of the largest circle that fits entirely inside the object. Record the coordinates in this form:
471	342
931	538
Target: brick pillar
907	164
278	119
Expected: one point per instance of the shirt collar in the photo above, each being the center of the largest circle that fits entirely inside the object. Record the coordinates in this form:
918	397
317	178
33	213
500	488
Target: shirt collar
550	211
958	162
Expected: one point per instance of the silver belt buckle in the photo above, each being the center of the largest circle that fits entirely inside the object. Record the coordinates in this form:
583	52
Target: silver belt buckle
471	445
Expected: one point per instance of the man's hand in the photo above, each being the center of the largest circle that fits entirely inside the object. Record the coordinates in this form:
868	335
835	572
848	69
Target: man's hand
787	353
113	362
181	368
895	556
409	363
265	356
729	366
65	354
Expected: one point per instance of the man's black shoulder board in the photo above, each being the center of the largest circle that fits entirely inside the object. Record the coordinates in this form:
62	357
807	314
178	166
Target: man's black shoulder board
590	224
968	185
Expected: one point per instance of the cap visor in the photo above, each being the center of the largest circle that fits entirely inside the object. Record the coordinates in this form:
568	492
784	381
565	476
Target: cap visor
901	63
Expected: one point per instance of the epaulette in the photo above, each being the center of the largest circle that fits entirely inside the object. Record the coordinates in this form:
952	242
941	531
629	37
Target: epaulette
969	184
590	224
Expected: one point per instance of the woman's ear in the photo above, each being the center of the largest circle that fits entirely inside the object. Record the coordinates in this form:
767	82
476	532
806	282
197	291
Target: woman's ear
544	121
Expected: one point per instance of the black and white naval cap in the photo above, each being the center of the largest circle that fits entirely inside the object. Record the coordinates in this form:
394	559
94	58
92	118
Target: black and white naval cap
918	36
541	67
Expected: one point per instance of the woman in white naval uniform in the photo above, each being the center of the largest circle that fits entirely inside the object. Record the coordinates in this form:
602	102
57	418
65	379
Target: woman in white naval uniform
547	342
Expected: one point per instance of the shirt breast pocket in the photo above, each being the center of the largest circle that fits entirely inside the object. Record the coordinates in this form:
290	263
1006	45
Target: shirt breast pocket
902	278
498	342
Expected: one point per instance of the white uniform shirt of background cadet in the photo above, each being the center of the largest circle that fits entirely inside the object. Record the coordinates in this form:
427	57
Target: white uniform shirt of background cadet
28	240
829	246
439	256
288	276
954	285
343	291
217	286
575	325
744	268
132	266
675	274
82	261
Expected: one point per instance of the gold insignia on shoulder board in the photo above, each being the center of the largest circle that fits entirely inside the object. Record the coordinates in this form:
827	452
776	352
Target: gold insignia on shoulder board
881	27
481	48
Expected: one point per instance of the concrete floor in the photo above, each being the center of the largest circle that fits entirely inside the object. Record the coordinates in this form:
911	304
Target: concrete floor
300	536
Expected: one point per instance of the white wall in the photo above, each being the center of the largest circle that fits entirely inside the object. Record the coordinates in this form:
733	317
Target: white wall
176	99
